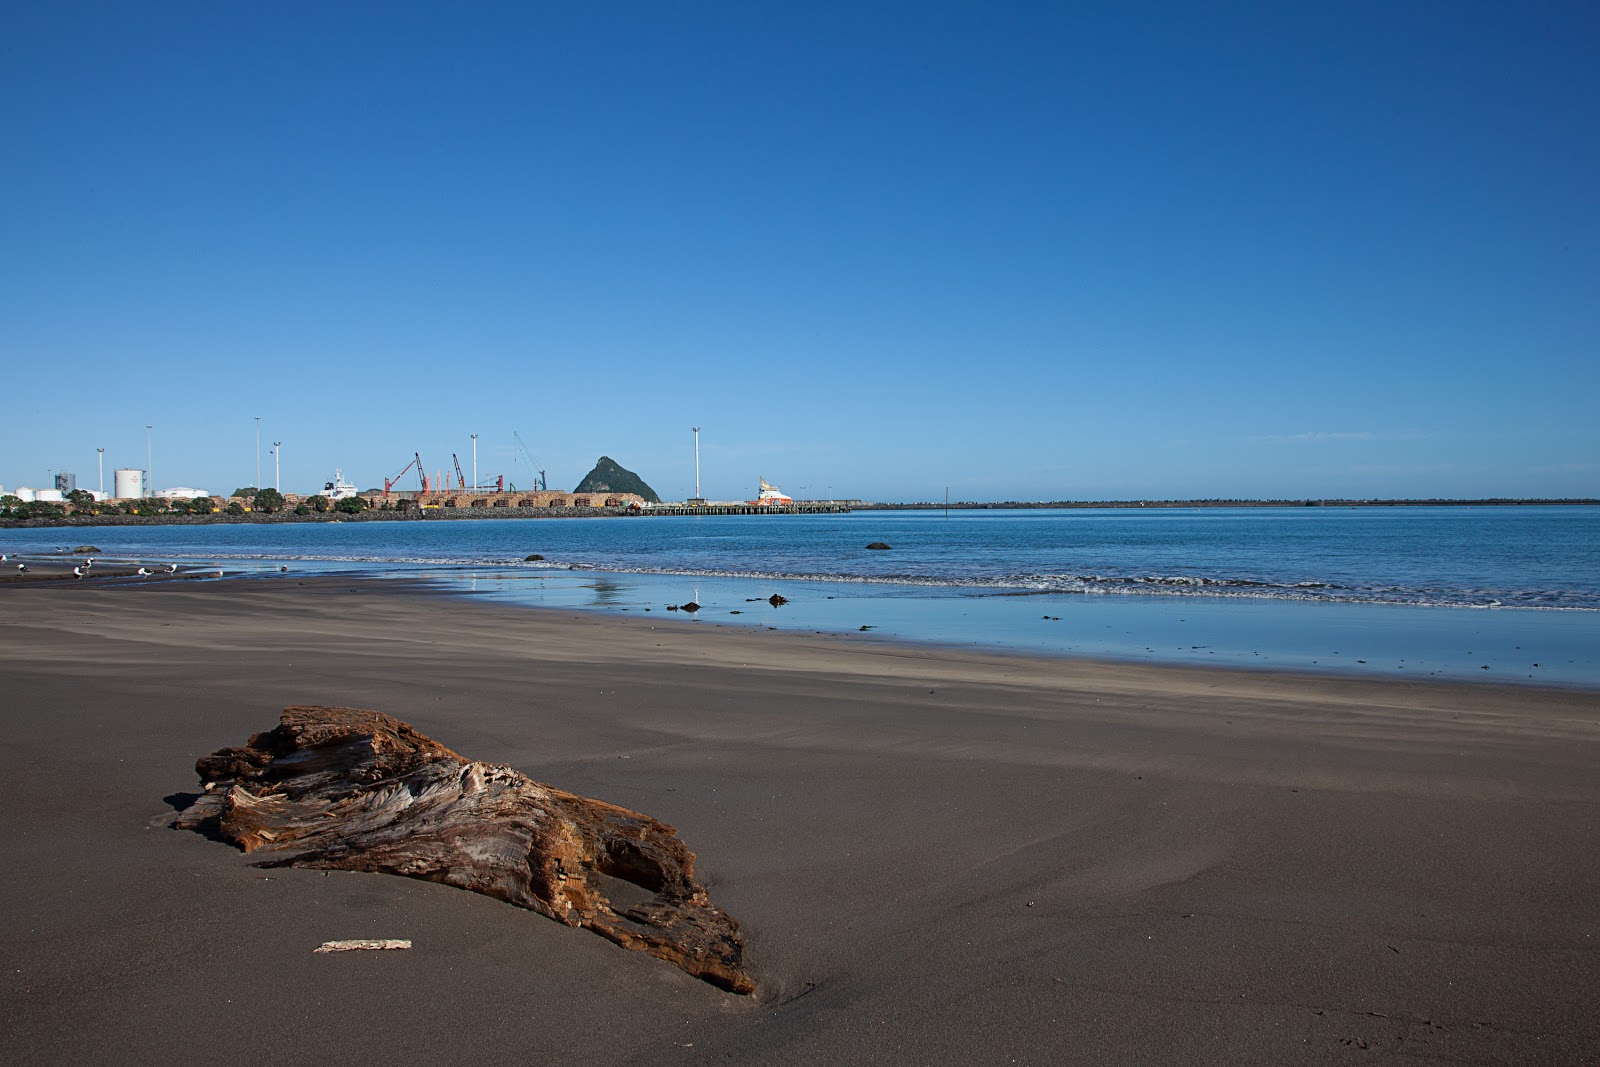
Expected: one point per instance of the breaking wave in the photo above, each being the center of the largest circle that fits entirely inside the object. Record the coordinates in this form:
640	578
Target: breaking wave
1023	584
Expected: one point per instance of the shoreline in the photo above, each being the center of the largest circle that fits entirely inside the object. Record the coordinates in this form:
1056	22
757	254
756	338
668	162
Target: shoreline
995	654
936	857
1251	634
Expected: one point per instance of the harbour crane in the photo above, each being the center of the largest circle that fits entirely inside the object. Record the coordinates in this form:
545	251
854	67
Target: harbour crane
539	482
461	479
416	461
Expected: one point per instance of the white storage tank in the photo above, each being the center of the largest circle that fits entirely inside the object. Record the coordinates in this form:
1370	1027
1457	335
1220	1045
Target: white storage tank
128	484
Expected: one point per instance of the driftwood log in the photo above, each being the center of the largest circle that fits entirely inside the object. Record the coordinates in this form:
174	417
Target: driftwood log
357	790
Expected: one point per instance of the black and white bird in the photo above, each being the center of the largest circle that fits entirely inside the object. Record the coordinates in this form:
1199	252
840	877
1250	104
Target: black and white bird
145	571
22	568
172	568
77	572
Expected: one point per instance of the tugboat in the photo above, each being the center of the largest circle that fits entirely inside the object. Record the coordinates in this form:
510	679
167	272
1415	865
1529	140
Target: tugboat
771	496
338	489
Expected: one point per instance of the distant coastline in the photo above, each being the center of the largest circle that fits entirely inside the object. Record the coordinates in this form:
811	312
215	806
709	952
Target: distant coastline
971	505
219	518
448	514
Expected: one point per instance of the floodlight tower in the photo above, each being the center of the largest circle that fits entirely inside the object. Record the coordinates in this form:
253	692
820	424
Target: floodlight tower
474	463
277	482
102	470
697	463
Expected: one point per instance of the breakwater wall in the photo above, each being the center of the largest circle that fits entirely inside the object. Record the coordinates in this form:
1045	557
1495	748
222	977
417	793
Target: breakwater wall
1060	505
741	509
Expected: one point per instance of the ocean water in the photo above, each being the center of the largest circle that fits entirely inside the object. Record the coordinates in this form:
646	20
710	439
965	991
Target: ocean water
1509	593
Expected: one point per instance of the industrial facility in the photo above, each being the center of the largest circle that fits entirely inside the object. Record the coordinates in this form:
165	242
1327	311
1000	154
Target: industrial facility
445	490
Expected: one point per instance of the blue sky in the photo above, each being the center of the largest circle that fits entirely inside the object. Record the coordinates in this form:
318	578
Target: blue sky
1027	251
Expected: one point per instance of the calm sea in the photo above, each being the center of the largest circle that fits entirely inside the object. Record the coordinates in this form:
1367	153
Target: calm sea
1507	593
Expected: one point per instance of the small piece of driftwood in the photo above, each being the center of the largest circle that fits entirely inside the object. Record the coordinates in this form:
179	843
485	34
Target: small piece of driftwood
361	945
345	789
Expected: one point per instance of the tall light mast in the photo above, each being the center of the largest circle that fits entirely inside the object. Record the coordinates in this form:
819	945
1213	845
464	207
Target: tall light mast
277	482
697	463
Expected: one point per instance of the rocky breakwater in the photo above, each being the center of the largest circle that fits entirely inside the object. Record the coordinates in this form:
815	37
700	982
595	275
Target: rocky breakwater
347	789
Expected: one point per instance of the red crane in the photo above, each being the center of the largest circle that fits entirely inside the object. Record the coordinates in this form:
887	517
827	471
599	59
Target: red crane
416	461
461	479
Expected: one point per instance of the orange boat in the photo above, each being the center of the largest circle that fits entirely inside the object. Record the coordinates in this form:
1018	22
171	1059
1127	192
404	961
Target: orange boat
771	496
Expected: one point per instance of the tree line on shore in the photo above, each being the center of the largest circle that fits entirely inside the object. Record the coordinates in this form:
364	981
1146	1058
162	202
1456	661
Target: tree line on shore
80	503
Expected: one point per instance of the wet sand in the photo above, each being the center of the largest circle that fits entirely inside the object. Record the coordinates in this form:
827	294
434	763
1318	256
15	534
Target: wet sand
937	857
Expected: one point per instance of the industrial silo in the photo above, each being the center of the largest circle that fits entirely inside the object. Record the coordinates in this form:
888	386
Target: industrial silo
128	484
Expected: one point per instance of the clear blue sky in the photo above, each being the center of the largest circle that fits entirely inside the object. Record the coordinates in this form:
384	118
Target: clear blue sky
1026	250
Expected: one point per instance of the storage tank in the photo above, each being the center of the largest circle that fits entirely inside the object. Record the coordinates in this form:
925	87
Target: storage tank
128	484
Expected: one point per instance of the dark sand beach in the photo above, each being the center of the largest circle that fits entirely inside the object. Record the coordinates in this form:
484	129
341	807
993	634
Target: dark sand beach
937	857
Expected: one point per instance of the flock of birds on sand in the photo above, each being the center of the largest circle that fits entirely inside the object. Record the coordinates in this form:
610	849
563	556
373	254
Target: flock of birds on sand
81	570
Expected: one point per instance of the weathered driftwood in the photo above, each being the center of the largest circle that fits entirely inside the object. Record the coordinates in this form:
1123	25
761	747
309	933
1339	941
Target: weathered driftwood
357	790
363	944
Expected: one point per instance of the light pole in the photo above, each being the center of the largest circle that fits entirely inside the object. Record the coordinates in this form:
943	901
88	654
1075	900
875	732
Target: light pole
258	452
474	463
277	482
149	465
697	463
102	470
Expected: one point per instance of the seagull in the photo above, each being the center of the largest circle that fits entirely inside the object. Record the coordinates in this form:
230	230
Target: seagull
22	568
143	571
77	572
219	574
172	568
4	557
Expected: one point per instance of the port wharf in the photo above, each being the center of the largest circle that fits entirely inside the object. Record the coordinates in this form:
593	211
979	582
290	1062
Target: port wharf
799	507
610	503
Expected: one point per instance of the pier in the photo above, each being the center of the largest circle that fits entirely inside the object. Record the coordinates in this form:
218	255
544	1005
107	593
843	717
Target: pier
819	507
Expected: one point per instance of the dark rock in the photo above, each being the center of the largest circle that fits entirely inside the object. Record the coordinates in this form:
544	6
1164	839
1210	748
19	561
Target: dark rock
777	601
86	550
691	606
878	545
535	558
346	789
